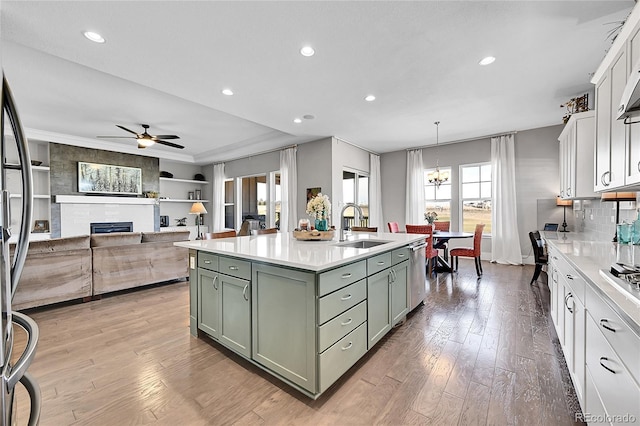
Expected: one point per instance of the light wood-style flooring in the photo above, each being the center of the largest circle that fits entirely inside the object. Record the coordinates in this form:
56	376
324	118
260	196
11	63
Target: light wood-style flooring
478	352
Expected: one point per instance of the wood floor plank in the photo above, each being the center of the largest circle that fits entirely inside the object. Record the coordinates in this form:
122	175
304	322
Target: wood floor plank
461	358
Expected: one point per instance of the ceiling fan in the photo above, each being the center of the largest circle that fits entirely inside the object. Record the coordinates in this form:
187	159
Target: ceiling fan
145	139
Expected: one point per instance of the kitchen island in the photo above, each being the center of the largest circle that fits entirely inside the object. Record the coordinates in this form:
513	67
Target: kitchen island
304	311
597	320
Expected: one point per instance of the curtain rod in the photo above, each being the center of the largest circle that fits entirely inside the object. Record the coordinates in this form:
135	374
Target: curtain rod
259	153
513	132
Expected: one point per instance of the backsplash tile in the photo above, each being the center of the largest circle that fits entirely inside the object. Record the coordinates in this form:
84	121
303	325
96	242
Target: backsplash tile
595	217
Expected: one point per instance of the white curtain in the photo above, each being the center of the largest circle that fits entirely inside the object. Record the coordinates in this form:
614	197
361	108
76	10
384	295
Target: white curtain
375	193
289	184
218	197
505	241
415	188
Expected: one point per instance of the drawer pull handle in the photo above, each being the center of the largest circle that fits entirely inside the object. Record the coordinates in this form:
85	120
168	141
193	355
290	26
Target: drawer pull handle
604	358
345	276
215	286
566	302
347	297
347	322
554	258
244	292
604	322
569	276
207	262
233	268
348	346
380	263
602	178
401	254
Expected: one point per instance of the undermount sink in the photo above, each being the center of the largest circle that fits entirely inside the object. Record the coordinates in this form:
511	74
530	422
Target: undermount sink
363	244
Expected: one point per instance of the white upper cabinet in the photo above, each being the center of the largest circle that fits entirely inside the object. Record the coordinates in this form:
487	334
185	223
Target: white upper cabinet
576	156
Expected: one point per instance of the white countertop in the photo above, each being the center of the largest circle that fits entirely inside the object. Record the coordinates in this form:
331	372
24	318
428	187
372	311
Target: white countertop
588	256
283	249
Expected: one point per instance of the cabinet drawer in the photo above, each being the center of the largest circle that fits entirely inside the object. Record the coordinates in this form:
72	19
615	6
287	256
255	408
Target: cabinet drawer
235	267
624	341
208	261
337	278
378	263
336	360
338	327
571	277
400	255
341	300
618	392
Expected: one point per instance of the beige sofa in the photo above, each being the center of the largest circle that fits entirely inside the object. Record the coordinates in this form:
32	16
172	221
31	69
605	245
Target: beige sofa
63	269
125	260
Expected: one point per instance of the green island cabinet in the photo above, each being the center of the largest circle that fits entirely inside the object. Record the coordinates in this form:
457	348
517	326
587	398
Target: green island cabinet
304	327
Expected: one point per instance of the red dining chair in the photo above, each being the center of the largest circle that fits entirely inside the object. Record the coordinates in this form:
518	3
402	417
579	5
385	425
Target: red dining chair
442	242
393	227
430	253
470	252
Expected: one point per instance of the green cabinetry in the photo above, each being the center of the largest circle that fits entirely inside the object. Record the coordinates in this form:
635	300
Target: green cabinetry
386	299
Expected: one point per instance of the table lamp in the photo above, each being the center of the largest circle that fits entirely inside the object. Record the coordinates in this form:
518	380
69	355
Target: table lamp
564	203
198	208
617	197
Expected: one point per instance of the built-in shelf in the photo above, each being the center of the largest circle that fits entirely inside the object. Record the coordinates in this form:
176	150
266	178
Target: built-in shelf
40	196
99	199
173	200
200	182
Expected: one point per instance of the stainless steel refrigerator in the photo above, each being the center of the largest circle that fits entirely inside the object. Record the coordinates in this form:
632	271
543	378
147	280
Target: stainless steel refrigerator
11	266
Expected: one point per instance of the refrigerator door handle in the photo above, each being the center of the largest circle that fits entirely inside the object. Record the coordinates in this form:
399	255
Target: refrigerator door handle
20	367
27	186
33	389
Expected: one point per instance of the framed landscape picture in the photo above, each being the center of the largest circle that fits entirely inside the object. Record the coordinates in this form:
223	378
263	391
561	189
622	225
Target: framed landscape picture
108	179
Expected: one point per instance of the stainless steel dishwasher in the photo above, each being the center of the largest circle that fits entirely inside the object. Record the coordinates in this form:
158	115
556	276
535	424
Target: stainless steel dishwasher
417	274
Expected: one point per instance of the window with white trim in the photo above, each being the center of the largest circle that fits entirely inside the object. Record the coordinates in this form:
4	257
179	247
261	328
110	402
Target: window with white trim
475	196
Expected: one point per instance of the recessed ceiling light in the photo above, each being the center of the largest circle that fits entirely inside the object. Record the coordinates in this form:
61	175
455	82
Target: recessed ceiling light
488	60
227	92
93	36
307	51
370	98
297	120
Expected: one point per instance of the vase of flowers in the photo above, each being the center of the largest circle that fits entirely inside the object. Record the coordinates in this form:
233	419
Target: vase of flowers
318	208
431	217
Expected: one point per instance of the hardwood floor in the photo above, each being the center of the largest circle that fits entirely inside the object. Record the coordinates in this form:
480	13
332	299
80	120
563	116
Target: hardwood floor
478	352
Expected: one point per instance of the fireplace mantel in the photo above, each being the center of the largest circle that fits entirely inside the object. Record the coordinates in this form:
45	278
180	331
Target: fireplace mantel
100	199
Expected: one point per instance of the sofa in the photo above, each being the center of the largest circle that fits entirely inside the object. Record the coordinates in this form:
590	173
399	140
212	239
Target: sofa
63	269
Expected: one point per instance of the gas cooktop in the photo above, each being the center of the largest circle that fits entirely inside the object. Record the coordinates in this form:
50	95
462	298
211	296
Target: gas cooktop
626	280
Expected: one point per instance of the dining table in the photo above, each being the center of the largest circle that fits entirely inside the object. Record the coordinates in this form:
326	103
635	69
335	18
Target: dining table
439	237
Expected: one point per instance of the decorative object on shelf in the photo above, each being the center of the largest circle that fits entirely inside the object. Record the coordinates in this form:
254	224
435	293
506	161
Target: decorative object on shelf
318	208
575	105
198	194
437	177
617	197
304	225
166	174
312	192
430	217
314	235
108	179
35	163
190	195
41	226
181	222
151	194
564	203
198	209
199	176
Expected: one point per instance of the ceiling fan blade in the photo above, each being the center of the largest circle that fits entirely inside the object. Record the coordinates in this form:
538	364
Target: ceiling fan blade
116	137
171	144
167	137
127	130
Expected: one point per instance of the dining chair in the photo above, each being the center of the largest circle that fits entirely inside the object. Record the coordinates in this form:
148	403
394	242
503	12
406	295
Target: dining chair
538	254
470	252
441	243
393	227
431	253
265	231
215	235
364	229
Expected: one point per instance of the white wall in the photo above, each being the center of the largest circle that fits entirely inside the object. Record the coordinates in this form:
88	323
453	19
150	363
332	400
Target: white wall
344	156
537	176
314	171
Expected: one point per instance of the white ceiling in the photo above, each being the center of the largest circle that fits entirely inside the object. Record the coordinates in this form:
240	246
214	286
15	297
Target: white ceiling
165	63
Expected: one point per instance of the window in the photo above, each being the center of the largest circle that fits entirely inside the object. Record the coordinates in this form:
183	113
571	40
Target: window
355	189
229	205
475	190
438	199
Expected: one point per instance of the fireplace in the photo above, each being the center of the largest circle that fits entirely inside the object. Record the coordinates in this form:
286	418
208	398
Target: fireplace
109	227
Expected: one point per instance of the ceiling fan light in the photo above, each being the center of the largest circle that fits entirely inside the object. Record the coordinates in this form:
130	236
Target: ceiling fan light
145	142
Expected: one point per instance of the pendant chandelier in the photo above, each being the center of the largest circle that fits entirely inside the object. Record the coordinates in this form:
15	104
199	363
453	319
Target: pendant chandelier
436	177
